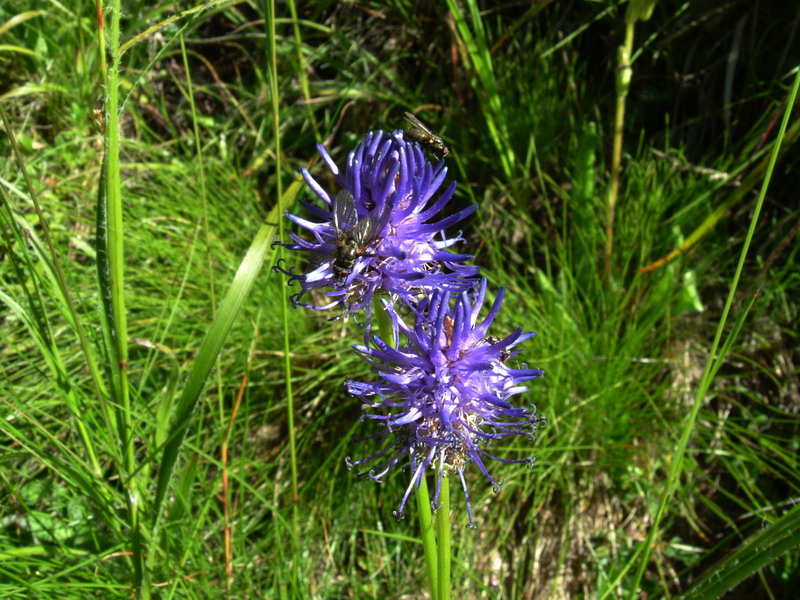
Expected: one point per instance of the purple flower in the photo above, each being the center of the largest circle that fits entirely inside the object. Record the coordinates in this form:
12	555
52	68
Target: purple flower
442	399
380	233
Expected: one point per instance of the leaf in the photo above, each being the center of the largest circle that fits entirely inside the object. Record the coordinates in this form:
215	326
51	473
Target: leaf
20	18
753	554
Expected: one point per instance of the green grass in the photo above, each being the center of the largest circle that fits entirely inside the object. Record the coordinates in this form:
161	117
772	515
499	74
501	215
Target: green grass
130	446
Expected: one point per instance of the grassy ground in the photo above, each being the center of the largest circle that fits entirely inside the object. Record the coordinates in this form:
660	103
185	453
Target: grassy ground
169	453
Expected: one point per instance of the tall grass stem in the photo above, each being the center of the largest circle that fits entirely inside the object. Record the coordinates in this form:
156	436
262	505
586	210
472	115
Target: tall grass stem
226	492
302	72
117	321
624	73
474	39
101	40
201	172
272	77
714	361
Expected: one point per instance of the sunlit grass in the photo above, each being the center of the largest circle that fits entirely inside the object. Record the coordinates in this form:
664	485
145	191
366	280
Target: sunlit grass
528	117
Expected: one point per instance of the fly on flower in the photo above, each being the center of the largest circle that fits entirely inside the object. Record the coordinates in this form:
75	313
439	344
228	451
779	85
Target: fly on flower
383	234
354	236
424	137
504	354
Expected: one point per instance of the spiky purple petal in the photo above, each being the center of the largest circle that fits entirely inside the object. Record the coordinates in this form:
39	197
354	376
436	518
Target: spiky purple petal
442	398
410	254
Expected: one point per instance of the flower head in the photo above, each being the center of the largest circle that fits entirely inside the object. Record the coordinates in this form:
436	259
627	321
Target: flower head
380	233
442	399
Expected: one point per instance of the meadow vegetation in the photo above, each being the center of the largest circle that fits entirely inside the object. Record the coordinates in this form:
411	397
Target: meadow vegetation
172	428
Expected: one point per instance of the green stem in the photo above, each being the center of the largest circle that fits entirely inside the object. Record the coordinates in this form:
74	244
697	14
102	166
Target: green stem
443	539
437	564
623	84
301	68
201	173
272	70
428	539
101	39
272	77
119	328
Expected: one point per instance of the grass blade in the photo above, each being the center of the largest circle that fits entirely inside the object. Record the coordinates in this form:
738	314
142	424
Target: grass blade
713	358
758	551
212	344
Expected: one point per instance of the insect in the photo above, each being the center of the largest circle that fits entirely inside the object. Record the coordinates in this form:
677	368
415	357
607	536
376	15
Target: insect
354	236
504	354
425	137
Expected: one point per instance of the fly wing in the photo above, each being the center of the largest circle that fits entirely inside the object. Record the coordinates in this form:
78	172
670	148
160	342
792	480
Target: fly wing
382	220
362	232
345	215
370	227
417	124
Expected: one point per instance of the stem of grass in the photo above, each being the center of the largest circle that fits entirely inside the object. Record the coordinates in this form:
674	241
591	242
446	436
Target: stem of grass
272	75
101	39
117	321
226	493
301	68
624	72
475	41
201	172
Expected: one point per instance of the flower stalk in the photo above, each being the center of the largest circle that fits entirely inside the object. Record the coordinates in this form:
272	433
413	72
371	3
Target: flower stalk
427	534
443	535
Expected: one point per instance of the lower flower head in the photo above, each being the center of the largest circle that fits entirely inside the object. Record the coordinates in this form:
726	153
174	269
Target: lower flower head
442	399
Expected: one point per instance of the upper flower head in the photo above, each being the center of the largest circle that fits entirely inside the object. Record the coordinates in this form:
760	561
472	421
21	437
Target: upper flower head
443	397
378	233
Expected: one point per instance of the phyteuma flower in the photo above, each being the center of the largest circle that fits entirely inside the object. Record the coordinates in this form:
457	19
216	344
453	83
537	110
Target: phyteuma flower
378	233
443	398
